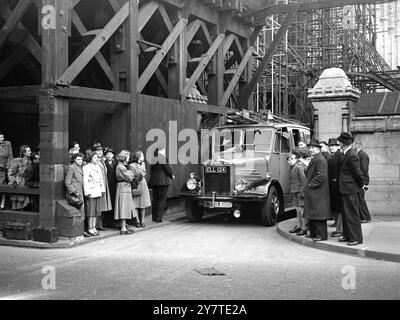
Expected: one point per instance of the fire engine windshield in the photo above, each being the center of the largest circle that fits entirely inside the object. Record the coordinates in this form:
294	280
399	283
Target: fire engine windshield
237	140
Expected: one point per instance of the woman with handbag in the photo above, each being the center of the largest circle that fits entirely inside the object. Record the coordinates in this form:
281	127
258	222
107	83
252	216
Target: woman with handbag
124	206
141	195
74	185
94	189
6	156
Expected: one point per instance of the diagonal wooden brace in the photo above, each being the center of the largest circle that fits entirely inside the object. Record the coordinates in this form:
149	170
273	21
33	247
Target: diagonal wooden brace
99	57
161	54
202	64
93	48
13	20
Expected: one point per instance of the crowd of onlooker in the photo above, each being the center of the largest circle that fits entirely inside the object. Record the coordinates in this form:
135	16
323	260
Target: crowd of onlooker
19	172
107	188
329	180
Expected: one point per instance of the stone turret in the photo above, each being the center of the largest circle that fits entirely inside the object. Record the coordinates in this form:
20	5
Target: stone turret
332	98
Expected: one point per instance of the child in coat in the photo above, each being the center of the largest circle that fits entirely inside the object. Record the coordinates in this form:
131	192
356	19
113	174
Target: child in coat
297	182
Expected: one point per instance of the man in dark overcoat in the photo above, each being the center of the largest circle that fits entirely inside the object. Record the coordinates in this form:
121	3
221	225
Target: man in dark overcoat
334	195
316	194
364	166
160	175
350	184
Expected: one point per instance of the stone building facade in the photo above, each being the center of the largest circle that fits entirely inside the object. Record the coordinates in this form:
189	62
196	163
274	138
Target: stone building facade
374	119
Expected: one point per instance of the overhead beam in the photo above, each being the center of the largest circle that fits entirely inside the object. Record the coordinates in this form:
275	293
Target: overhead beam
375	78
192	29
161	54
12	21
92	49
248	90
285	8
203	63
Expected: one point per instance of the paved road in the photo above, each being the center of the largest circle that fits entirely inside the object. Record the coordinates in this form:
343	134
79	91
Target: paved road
161	263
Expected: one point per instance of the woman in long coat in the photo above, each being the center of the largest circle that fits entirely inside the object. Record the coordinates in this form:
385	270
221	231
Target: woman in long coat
124	206
143	200
6	156
74	181
94	189
316	194
16	177
105	203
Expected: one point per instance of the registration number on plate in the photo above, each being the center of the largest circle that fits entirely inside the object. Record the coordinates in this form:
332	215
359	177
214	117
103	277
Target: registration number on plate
216	170
218	204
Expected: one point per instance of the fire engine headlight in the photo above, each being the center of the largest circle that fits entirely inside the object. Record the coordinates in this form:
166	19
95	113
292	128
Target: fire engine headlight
191	184
241	185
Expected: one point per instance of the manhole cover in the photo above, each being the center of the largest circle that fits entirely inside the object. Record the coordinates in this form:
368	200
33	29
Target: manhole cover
210	272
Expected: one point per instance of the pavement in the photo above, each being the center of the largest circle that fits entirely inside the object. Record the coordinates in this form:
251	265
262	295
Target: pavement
381	239
64	242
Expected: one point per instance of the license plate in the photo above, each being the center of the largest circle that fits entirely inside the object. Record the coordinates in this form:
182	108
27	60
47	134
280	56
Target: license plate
216	170
218	204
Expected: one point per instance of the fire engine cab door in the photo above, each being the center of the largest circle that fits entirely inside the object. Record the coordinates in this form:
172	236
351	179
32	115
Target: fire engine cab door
282	150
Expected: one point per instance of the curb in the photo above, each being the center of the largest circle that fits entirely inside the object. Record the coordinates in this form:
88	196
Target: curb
327	246
66	244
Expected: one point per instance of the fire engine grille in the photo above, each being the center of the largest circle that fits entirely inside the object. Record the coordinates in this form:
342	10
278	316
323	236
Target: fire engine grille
217	182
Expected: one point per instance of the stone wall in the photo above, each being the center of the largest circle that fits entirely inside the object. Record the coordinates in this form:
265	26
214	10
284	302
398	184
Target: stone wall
380	136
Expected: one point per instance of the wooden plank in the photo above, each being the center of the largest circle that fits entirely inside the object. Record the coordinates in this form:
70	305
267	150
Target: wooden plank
165	17
146	12
244	97
53	115
239	47
236	77
19	190
204	62
99	56
92	49
159	75
191	31
134	117
206	32
160	55
18	93
227	43
177	63
92	94
12	21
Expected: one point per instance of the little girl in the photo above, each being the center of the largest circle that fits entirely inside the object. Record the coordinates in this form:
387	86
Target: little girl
297	182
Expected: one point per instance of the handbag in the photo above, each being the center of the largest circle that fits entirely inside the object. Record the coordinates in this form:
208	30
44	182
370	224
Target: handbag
74	200
136	191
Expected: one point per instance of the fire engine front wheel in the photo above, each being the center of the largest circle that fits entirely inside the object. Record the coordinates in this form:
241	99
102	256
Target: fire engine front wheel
193	211
271	208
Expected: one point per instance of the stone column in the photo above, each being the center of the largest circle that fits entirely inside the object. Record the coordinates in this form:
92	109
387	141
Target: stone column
332	98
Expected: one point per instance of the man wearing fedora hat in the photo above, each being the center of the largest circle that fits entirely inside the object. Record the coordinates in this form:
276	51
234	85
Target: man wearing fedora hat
316	194
334	193
350	184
